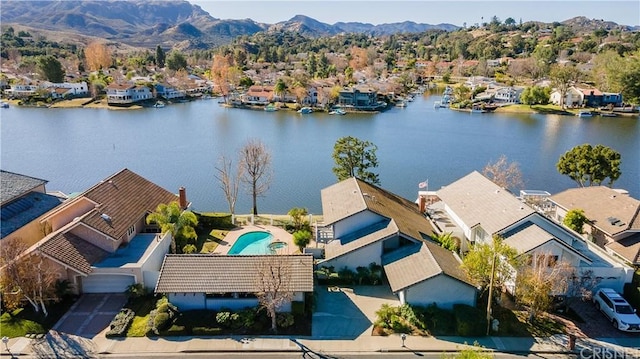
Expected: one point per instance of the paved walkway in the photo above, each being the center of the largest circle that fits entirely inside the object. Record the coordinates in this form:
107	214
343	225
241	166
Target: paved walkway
69	346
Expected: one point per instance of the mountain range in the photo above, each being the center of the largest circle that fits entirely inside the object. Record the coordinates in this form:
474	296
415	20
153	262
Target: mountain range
173	23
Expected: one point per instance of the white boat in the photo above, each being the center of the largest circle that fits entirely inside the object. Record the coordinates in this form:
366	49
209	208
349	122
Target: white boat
270	108
401	104
338	111
305	110
158	104
585	114
4	104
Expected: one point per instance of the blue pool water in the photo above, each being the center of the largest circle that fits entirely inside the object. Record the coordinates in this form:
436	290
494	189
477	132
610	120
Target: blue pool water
252	243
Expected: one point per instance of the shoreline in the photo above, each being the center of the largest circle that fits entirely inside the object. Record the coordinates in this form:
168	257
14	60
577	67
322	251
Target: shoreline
508	109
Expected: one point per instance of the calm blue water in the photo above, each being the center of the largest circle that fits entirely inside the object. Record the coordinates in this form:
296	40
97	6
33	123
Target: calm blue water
252	243
179	145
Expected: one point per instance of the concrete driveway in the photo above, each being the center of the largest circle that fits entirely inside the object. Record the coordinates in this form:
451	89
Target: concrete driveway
91	314
347	313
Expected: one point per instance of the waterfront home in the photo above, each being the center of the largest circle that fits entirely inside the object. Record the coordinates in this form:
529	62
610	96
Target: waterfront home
508	94
573	98
578	96
258	95
99	240
127	94
168	92
365	224
21	91
359	98
75	89
23	200
476	209
199	281
613	218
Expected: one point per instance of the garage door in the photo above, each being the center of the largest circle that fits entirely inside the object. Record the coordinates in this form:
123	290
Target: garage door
106	283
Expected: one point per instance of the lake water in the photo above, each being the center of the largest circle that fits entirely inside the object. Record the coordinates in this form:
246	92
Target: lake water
179	145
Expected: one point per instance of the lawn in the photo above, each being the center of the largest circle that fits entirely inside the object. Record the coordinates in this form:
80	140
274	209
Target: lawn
209	241
544	109
24	321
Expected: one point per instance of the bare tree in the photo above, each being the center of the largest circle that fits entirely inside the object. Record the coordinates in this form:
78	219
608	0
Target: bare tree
255	161
25	276
504	174
273	285
535	283
229	182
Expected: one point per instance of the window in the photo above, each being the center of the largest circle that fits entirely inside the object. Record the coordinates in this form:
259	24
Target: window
131	230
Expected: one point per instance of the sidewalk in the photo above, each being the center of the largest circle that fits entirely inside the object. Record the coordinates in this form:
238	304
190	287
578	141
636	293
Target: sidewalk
62	345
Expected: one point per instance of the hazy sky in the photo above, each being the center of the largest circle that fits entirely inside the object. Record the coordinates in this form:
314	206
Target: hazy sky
455	12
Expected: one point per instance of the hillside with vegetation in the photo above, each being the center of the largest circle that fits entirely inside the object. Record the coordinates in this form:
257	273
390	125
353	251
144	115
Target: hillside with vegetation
595	52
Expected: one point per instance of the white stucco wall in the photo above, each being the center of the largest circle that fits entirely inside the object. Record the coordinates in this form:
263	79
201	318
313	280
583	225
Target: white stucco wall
187	301
354	223
358	258
152	261
443	290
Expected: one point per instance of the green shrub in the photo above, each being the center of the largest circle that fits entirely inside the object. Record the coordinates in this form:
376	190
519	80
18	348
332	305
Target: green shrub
120	323
346	275
302	238
161	321
284	320
220	221
470	321
297	308
136	291
399	325
227	319
407	312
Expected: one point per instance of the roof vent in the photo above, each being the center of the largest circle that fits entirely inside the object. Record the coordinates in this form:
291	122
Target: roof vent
105	217
613	221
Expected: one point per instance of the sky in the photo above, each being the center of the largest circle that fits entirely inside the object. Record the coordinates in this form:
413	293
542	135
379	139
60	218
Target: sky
456	12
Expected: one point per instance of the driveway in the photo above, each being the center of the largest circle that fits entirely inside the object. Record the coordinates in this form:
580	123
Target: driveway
595	324
91	314
347	313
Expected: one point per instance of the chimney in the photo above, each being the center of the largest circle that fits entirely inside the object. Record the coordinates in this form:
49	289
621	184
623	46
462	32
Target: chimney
183	198
422	204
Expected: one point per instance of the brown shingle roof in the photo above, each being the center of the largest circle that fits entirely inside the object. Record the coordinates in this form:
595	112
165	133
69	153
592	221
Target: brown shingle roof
600	203
628	248
73	251
351	196
411	265
125	198
14	185
477	200
203	273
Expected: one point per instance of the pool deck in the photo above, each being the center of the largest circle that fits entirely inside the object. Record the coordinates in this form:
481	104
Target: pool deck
278	233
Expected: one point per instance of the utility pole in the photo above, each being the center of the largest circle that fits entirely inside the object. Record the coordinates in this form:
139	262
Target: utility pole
493	272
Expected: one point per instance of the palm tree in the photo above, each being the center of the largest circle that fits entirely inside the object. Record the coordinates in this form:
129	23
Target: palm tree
280	89
171	218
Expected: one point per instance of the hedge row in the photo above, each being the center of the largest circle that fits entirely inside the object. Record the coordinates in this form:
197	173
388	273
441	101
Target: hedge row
219	221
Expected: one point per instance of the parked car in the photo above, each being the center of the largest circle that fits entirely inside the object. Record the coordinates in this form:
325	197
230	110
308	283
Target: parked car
617	310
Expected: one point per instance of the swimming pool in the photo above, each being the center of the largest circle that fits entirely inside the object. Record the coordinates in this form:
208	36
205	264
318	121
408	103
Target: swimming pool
257	242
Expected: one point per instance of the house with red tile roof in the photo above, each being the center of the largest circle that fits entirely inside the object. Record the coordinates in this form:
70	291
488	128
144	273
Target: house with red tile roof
100	242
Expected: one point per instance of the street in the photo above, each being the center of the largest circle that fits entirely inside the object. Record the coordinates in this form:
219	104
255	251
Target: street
310	355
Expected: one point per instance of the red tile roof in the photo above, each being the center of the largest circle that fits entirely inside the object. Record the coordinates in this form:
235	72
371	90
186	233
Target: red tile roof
73	251
124	198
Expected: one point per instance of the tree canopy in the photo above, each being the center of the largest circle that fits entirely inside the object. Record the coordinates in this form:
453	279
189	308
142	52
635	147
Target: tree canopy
50	68
477	263
575	219
588	165
353	158
181	224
